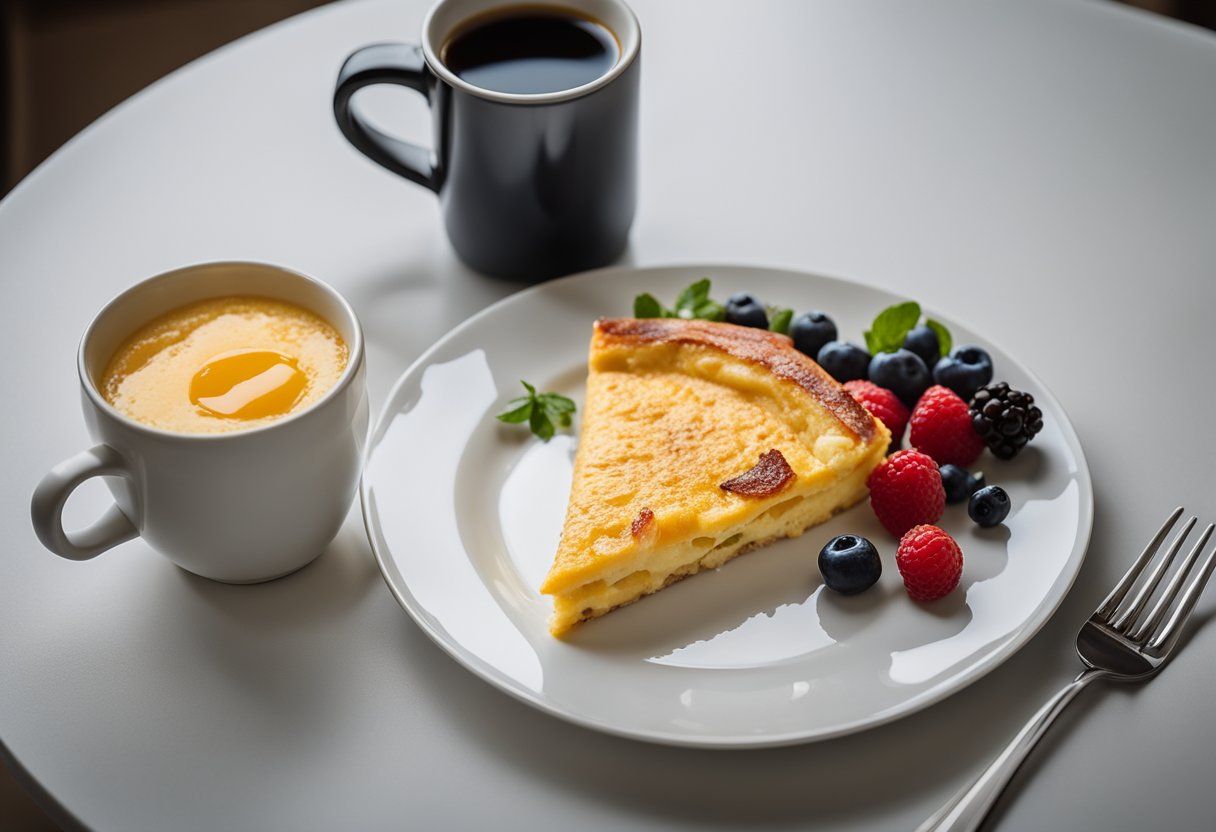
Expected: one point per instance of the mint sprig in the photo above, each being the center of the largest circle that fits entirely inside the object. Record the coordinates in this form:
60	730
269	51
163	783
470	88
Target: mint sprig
892	325
542	411
944	341
693	302
779	318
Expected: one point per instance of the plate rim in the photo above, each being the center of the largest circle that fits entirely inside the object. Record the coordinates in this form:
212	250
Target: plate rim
503	682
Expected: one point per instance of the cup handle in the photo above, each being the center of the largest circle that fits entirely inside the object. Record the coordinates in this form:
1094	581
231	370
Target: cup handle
52	494
385	63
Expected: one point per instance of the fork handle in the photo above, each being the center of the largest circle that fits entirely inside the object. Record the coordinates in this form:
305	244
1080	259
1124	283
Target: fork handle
968	809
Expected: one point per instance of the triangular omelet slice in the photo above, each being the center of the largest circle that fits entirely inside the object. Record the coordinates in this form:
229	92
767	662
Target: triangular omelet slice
699	441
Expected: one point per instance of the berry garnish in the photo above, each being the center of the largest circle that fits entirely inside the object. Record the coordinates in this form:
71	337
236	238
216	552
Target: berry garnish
902	372
964	371
906	491
849	564
989	506
959	483
883	405
922	340
843	361
745	310
811	330
930	562
1006	419
941	428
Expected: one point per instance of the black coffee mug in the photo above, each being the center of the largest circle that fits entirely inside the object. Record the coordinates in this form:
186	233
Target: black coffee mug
531	185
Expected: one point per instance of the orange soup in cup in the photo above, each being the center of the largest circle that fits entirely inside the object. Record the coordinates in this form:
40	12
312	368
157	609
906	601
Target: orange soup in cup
224	364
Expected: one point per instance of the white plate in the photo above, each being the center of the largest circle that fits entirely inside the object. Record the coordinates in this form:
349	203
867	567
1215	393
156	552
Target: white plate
464	515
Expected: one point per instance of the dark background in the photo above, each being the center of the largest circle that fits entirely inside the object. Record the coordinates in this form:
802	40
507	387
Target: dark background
63	63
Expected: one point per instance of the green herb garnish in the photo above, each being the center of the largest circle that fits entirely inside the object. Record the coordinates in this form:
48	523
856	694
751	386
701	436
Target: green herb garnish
889	329
892	325
944	341
779	318
647	305
540	410
693	302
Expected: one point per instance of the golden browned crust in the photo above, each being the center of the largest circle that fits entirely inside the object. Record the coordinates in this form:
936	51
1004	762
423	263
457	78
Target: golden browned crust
771	350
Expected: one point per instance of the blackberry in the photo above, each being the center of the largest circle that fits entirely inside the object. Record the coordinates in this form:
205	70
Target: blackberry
1006	419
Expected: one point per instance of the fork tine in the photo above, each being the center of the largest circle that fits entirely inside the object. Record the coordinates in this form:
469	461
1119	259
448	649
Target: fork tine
1149	624
1164	641
1108	607
1128	616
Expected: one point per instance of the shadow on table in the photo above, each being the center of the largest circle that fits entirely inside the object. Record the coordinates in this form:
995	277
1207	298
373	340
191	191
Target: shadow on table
328	587
269	646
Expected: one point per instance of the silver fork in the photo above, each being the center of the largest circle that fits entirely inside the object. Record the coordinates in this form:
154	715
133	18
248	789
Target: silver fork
1117	642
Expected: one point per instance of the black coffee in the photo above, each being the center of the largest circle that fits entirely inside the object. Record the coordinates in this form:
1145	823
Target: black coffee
530	51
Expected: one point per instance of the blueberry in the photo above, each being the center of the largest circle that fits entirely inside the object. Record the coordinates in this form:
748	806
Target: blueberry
902	372
745	310
959	483
989	506
849	564
923	341
811	330
843	361
964	371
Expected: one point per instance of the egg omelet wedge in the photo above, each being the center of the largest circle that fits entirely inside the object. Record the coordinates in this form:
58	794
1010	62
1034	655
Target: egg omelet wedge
699	441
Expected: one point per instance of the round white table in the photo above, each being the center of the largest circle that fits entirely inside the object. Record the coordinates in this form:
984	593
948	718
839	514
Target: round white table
1041	170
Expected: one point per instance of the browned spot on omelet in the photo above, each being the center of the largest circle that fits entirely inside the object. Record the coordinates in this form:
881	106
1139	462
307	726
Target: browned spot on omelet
771	475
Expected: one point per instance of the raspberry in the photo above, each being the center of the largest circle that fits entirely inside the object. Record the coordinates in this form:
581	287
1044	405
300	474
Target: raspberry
942	428
883	405
906	490
930	562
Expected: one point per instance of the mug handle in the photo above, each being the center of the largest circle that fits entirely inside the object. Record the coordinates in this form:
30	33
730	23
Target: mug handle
385	63
46	508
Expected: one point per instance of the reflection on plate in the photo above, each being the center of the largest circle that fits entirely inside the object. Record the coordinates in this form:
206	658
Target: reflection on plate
464	515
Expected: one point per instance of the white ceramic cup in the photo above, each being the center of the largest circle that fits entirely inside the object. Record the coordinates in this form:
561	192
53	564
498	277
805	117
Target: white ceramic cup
238	507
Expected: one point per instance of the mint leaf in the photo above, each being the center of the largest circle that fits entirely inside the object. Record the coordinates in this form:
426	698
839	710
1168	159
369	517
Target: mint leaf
539	410
647	305
557	402
779	319
557	407
541	424
519	414
693	302
710	310
891	326
692	297
943	336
